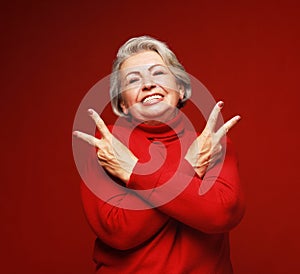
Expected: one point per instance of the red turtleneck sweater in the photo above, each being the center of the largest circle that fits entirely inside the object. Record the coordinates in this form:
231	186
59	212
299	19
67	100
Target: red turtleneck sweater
181	224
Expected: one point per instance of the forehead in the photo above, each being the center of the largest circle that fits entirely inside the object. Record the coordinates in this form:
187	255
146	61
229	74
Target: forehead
143	58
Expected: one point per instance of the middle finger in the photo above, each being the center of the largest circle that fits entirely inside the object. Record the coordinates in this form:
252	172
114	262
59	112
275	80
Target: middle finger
213	117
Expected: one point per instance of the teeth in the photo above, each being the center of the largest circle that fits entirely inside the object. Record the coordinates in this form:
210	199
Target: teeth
156	96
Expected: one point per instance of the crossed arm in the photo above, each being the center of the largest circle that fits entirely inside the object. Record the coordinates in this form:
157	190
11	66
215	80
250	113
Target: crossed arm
216	211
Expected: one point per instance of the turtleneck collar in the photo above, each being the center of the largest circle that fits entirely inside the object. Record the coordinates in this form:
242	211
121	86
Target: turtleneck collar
164	132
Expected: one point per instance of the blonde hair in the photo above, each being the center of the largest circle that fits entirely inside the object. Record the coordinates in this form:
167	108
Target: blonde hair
136	45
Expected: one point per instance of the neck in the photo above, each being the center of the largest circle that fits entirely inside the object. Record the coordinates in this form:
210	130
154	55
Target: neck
153	123
158	122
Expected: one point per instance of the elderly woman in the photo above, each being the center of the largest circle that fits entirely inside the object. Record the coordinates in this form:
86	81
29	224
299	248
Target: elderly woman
174	227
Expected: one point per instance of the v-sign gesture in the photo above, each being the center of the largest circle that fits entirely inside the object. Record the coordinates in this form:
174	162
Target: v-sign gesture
206	149
113	155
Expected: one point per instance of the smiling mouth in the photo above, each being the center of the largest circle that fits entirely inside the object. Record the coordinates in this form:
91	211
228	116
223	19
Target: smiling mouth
152	99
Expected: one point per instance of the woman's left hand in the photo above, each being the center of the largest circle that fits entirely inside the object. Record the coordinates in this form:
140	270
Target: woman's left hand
207	149
113	155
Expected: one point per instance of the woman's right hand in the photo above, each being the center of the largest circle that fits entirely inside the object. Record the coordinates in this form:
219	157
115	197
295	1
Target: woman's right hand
113	155
207	149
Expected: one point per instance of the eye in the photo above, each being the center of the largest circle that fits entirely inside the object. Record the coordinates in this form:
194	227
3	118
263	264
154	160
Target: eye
158	72
133	80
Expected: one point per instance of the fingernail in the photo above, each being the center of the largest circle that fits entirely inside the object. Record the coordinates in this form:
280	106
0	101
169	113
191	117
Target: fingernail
220	104
238	118
90	111
75	133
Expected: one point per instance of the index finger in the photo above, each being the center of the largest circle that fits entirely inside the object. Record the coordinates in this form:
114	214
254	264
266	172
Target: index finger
100	124
226	127
213	117
87	138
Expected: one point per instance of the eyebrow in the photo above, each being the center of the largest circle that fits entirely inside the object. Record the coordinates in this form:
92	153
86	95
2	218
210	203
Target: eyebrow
150	68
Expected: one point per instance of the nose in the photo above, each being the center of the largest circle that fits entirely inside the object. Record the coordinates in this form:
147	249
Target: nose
148	84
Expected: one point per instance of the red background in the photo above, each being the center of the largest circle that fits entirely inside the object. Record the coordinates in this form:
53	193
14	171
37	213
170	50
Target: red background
245	52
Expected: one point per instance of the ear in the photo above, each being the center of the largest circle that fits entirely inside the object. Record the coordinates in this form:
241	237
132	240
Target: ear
181	92
123	107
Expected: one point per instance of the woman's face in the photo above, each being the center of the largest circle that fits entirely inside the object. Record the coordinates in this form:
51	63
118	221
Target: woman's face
149	90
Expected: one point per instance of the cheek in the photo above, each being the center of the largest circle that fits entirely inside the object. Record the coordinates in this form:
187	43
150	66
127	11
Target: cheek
176	96
173	98
166	81
128	98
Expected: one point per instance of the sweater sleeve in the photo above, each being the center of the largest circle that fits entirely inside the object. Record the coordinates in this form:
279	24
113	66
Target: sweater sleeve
213	204
106	206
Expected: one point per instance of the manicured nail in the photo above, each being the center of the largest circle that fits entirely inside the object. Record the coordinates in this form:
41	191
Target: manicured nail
220	104
90	111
